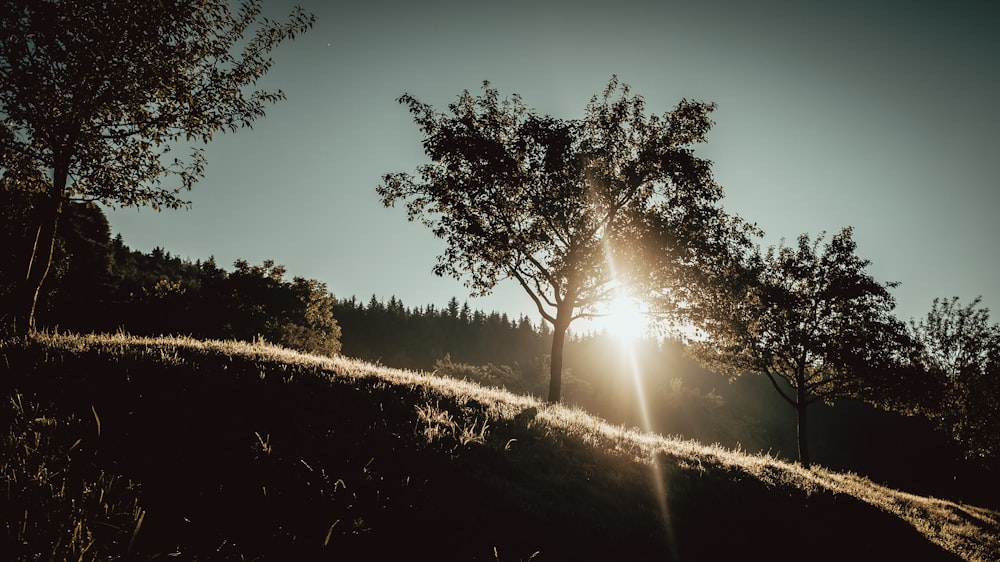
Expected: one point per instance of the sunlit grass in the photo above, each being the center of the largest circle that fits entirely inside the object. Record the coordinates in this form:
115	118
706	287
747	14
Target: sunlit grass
969	531
459	418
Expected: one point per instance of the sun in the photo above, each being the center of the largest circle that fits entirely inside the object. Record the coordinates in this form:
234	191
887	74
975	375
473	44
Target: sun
625	319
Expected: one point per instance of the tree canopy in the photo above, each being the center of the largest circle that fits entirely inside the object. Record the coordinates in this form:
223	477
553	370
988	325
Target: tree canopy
811	319
573	210
960	353
95	96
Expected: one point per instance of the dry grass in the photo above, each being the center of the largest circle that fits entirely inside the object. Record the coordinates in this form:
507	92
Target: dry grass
460	418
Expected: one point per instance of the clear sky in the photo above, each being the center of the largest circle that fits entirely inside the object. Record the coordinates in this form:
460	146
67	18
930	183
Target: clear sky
873	113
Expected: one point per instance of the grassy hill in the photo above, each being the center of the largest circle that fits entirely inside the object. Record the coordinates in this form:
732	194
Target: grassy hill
176	449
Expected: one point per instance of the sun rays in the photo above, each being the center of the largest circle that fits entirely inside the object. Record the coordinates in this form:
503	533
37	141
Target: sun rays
627	319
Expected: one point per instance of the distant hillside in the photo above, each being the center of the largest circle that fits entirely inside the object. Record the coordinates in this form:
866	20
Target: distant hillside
178	449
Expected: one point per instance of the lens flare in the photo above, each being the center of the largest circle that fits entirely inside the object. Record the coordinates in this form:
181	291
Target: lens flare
629	323
625	319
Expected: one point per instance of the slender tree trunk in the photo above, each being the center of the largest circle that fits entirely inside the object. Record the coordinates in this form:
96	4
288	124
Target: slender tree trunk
559	330
800	408
42	253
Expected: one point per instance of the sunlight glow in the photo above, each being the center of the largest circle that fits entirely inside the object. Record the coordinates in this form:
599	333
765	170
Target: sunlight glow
626	319
630	330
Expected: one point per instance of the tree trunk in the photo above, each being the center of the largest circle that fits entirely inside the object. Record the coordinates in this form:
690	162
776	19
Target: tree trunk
40	261
556	359
800	408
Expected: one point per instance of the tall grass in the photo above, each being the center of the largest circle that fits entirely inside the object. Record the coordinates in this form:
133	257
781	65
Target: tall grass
228	450
58	504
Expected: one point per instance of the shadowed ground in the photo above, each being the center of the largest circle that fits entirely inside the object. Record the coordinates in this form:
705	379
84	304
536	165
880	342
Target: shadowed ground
252	451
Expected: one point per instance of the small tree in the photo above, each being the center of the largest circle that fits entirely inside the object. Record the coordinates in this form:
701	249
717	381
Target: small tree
810	317
94	94
960	352
572	210
259	302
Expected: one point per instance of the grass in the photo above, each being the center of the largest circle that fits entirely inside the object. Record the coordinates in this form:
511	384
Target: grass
179	449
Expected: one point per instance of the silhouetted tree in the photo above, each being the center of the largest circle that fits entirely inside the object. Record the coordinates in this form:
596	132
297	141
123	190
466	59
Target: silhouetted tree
260	303
84	270
573	210
95	94
157	293
17	208
960	352
80	271
810	317
315	329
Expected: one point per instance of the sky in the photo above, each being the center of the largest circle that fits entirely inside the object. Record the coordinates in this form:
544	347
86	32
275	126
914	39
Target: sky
882	115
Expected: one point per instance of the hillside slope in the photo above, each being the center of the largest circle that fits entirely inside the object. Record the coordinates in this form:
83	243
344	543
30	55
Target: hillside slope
179	449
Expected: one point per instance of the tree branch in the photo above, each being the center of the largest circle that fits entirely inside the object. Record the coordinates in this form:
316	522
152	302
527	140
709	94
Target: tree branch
778	388
531	293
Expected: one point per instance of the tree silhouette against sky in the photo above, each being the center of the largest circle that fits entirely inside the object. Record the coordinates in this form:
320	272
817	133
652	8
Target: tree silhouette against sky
95	94
576	211
810	317
959	352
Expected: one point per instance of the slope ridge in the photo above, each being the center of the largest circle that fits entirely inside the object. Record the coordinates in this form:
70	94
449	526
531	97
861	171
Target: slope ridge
251	450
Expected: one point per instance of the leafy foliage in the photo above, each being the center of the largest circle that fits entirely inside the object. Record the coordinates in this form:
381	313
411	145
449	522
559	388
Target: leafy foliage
101	91
811	318
99	284
95	95
573	209
960	352
158	293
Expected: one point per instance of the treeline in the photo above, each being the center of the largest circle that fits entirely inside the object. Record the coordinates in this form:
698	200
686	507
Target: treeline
158	293
99	284
490	348
395	335
655	385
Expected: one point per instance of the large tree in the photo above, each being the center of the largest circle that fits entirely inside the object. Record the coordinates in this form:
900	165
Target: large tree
573	210
959	352
811	319
94	95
